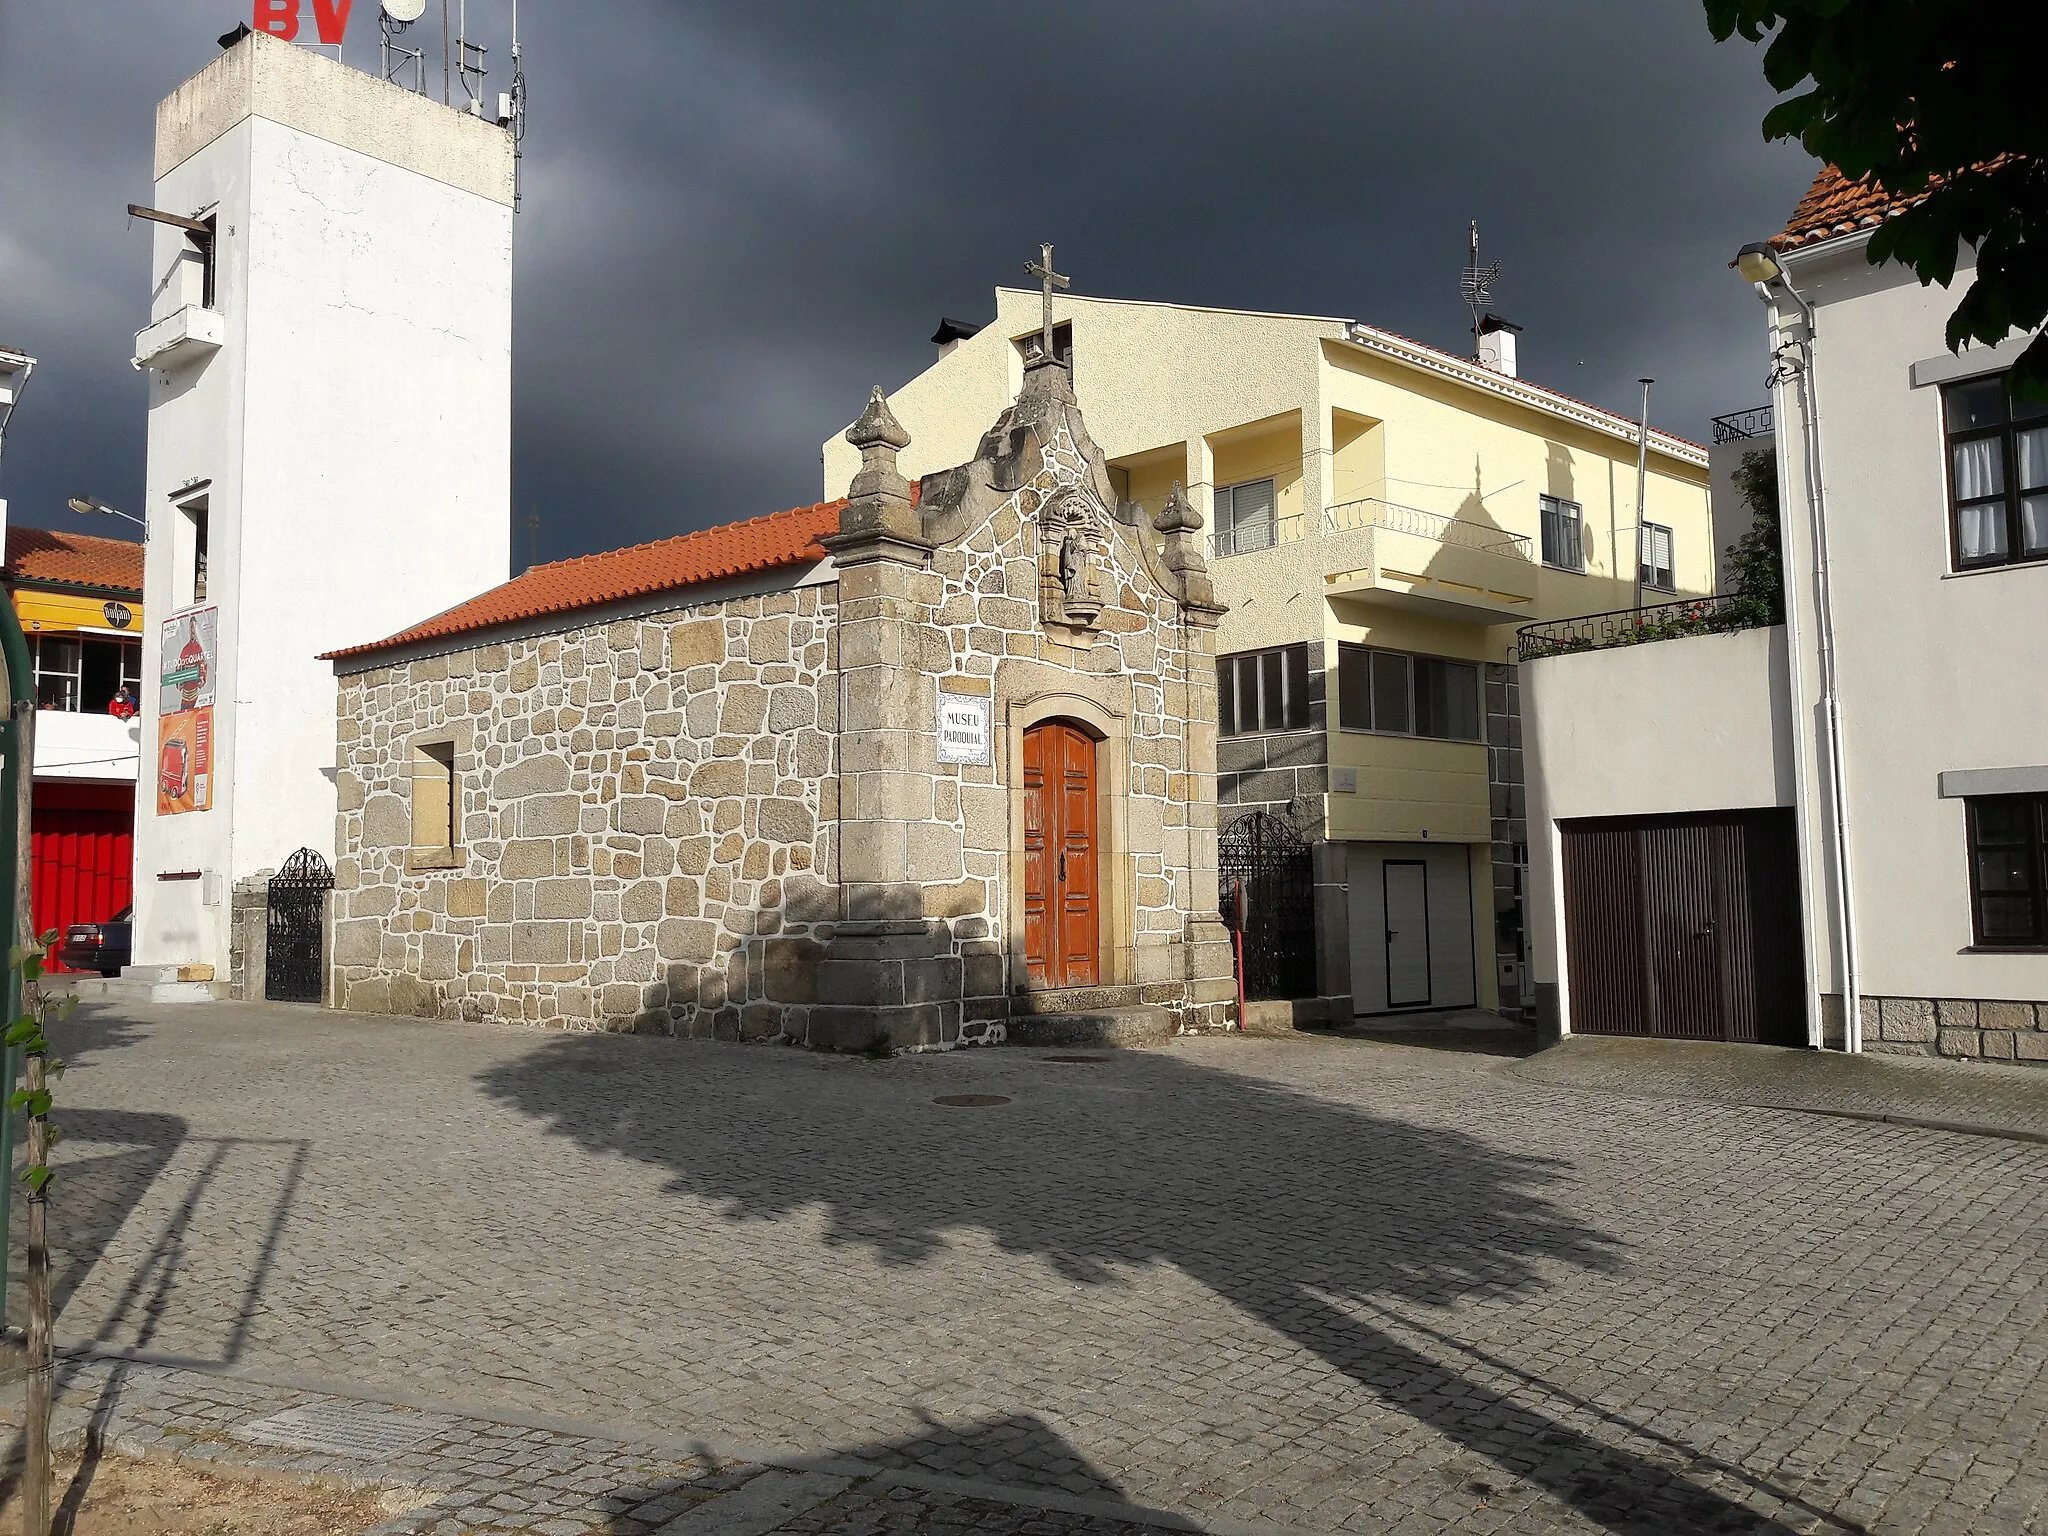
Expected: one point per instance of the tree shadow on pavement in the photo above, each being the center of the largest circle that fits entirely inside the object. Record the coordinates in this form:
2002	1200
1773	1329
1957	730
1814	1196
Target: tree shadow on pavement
1021	1440
1310	1217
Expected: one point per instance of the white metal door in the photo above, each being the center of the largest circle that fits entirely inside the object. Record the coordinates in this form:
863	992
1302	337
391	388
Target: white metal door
1407	909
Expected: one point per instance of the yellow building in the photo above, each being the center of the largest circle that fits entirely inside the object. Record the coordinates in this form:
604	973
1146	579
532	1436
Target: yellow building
1382	516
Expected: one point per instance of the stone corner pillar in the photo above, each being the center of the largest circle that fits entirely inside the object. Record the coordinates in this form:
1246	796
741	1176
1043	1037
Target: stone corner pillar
884	978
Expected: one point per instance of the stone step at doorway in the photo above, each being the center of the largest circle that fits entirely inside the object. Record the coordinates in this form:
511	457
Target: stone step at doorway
1137	1025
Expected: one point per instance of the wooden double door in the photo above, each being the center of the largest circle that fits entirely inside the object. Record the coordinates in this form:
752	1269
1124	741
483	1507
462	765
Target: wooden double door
1686	927
1062	880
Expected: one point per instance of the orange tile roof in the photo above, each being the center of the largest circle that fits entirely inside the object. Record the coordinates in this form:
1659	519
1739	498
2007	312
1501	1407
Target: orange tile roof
712	554
1835	205
74	560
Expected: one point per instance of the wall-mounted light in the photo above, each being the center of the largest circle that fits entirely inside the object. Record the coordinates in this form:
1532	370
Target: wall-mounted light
1758	263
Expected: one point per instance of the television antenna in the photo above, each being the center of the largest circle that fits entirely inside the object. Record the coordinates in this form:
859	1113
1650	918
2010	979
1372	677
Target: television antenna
394	17
463	64
1476	284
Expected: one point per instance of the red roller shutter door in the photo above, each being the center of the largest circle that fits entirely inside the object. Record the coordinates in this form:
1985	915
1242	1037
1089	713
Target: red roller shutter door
82	842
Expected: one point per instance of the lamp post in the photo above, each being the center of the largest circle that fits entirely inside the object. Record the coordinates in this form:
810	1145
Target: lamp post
94	504
1642	484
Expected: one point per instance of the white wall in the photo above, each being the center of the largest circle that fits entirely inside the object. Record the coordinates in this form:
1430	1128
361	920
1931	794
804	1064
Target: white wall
86	747
1939	671
1453	976
355	427
1696	724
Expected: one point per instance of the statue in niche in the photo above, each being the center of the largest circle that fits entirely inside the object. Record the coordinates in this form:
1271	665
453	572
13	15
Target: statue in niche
1072	598
1074	568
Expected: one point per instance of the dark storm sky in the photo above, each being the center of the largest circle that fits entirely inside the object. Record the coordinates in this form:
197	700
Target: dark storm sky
739	215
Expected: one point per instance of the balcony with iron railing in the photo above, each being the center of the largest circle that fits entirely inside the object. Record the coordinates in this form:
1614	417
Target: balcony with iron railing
1378	551
1757	421
1640	626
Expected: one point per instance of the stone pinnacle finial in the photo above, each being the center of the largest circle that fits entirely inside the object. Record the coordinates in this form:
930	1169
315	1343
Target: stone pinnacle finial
1178	515
877	427
878	435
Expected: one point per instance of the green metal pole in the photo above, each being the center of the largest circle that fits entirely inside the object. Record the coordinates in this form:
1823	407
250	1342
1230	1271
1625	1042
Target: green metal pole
15	918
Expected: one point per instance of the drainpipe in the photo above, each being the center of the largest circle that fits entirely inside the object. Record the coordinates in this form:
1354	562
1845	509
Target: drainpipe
1812	472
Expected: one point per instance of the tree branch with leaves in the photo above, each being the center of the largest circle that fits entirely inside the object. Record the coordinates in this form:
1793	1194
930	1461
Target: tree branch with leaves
1939	104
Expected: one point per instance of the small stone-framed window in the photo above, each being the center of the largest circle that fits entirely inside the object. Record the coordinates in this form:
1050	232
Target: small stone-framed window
436	806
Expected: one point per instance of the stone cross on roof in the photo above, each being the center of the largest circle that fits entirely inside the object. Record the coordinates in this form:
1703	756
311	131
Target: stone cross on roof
1043	270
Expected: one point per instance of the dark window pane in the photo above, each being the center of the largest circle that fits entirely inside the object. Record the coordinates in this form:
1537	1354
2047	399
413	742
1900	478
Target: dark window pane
100	674
2006	919
1296	714
2004	821
1272	683
1390	692
1446	699
1462	700
1979	403
1354	687
2004	869
1226	697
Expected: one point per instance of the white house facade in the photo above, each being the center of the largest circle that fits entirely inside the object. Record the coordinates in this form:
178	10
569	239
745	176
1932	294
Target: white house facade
1890	739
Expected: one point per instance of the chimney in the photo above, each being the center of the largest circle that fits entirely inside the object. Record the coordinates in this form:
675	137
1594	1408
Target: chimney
1497	344
951	333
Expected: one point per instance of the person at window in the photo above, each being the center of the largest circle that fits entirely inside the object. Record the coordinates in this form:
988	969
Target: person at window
122	705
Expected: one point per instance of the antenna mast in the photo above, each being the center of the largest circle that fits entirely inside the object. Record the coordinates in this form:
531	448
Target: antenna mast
1477	286
462	63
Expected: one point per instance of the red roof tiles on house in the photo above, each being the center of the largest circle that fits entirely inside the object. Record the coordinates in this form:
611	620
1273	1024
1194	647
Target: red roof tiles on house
713	554
44	555
1835	205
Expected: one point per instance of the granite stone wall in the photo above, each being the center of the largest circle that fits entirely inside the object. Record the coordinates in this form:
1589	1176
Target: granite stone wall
1964	1029
645	824
1507	816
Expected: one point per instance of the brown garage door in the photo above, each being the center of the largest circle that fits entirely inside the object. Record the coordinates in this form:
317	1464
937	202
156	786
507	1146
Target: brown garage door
1685	927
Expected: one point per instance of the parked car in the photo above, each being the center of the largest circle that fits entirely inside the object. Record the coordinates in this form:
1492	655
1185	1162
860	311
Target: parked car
101	947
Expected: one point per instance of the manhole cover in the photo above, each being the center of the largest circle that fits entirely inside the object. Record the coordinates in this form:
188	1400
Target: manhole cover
343	1429
970	1100
1075	1060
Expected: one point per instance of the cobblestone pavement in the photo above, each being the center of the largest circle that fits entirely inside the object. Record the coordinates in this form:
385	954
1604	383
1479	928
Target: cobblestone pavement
1983	1094
1326	1284
449	1474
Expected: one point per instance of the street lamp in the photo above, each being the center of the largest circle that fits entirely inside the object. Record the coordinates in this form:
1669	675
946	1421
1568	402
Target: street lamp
1758	263
94	504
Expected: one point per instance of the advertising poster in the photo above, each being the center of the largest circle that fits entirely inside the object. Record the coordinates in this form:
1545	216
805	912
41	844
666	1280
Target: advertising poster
190	644
184	762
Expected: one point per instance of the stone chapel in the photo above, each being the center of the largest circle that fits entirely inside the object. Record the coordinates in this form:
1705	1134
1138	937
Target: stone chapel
929	766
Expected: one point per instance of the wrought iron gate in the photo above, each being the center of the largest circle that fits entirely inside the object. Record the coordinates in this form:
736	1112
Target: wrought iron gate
1273	865
293	936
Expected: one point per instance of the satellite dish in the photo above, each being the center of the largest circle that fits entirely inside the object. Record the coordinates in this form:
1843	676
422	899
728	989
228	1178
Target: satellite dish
404	12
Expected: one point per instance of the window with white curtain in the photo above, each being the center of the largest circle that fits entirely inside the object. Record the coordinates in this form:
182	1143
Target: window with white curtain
1563	528
1244	517
1998	474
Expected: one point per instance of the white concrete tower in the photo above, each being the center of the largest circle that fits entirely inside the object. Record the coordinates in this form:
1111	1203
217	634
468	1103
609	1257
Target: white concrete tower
330	383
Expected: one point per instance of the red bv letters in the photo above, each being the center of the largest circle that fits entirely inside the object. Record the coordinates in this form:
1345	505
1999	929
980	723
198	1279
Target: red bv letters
331	17
280	18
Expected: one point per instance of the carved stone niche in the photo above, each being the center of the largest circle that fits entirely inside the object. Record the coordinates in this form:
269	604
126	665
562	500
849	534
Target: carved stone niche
1072	548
